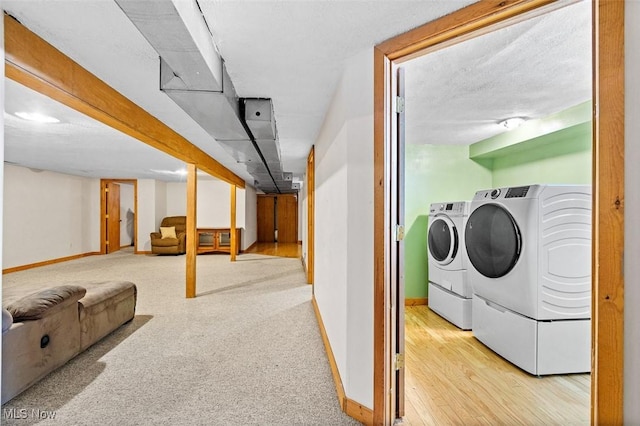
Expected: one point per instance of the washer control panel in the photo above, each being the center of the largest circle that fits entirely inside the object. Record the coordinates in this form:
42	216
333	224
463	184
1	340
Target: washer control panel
453	208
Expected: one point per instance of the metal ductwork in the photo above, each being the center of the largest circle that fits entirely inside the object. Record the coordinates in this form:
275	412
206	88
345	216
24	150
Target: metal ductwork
194	76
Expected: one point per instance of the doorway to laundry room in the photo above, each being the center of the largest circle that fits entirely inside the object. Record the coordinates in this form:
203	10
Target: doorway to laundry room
507	111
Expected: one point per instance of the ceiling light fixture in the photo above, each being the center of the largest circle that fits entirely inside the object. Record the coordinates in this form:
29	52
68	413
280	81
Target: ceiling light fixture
512	123
37	117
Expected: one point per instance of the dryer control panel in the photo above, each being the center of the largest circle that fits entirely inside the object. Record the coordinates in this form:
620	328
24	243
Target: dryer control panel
455	208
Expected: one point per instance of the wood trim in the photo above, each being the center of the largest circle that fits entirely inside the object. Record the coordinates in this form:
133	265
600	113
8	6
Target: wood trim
416	301
251	247
234	234
103	209
607	377
48	262
349	406
358	411
475	17
311	191
337	380
191	243
34	63
381	324
103	234
608	227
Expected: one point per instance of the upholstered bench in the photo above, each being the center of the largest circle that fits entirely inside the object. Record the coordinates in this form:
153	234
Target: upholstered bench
43	330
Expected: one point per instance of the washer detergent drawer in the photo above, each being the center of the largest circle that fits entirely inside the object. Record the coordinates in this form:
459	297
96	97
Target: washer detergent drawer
512	336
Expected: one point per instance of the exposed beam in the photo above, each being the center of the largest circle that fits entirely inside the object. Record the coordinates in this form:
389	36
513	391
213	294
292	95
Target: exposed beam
34	63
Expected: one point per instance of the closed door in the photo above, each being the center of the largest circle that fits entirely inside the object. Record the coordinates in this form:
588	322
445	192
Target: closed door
266	219
287	218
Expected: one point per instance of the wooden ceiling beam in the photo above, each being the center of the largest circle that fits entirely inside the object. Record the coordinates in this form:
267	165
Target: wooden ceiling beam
34	63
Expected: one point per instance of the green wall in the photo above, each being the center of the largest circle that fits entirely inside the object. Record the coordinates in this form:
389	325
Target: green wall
436	173
433	173
567	161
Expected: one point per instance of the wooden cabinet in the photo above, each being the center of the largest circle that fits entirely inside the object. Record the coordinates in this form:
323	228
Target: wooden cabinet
216	240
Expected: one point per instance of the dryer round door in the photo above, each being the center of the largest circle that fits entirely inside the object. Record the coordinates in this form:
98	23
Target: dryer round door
443	240
493	240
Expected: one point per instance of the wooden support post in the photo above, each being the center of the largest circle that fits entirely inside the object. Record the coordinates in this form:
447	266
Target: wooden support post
234	234
192	246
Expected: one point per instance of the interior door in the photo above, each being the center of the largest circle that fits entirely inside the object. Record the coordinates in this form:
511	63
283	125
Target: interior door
266	219
287	218
113	217
397	250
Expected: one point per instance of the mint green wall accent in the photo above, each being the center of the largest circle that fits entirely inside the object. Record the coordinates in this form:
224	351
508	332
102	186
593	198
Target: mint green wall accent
535	133
563	161
433	173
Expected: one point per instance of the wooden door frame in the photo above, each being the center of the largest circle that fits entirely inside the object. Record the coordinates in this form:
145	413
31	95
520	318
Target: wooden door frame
607	374
311	182
103	208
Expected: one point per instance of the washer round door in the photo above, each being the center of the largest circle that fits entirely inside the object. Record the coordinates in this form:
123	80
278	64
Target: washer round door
493	241
443	240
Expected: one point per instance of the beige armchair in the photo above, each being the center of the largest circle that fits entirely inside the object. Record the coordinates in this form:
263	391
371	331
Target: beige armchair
168	240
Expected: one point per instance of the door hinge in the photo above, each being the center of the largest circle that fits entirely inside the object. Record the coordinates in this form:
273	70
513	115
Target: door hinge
106	190
106	216
398	361
399	232
399	104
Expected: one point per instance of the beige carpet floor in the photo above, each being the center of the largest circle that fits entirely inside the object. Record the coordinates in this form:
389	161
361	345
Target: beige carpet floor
246	351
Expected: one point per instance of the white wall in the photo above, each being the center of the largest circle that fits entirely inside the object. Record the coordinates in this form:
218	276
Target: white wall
177	198
632	218
148	219
250	224
344	225
127	208
48	216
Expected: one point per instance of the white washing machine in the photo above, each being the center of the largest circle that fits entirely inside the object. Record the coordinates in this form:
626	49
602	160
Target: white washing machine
449	290
529	252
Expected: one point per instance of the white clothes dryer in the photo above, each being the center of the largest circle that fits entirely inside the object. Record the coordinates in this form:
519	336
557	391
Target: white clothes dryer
449	290
529	251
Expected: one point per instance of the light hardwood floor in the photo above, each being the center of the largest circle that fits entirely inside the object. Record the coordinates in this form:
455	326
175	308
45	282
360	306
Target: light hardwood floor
277	249
453	379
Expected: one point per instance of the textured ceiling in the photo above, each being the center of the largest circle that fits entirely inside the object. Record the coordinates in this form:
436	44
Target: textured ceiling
293	52
531	69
